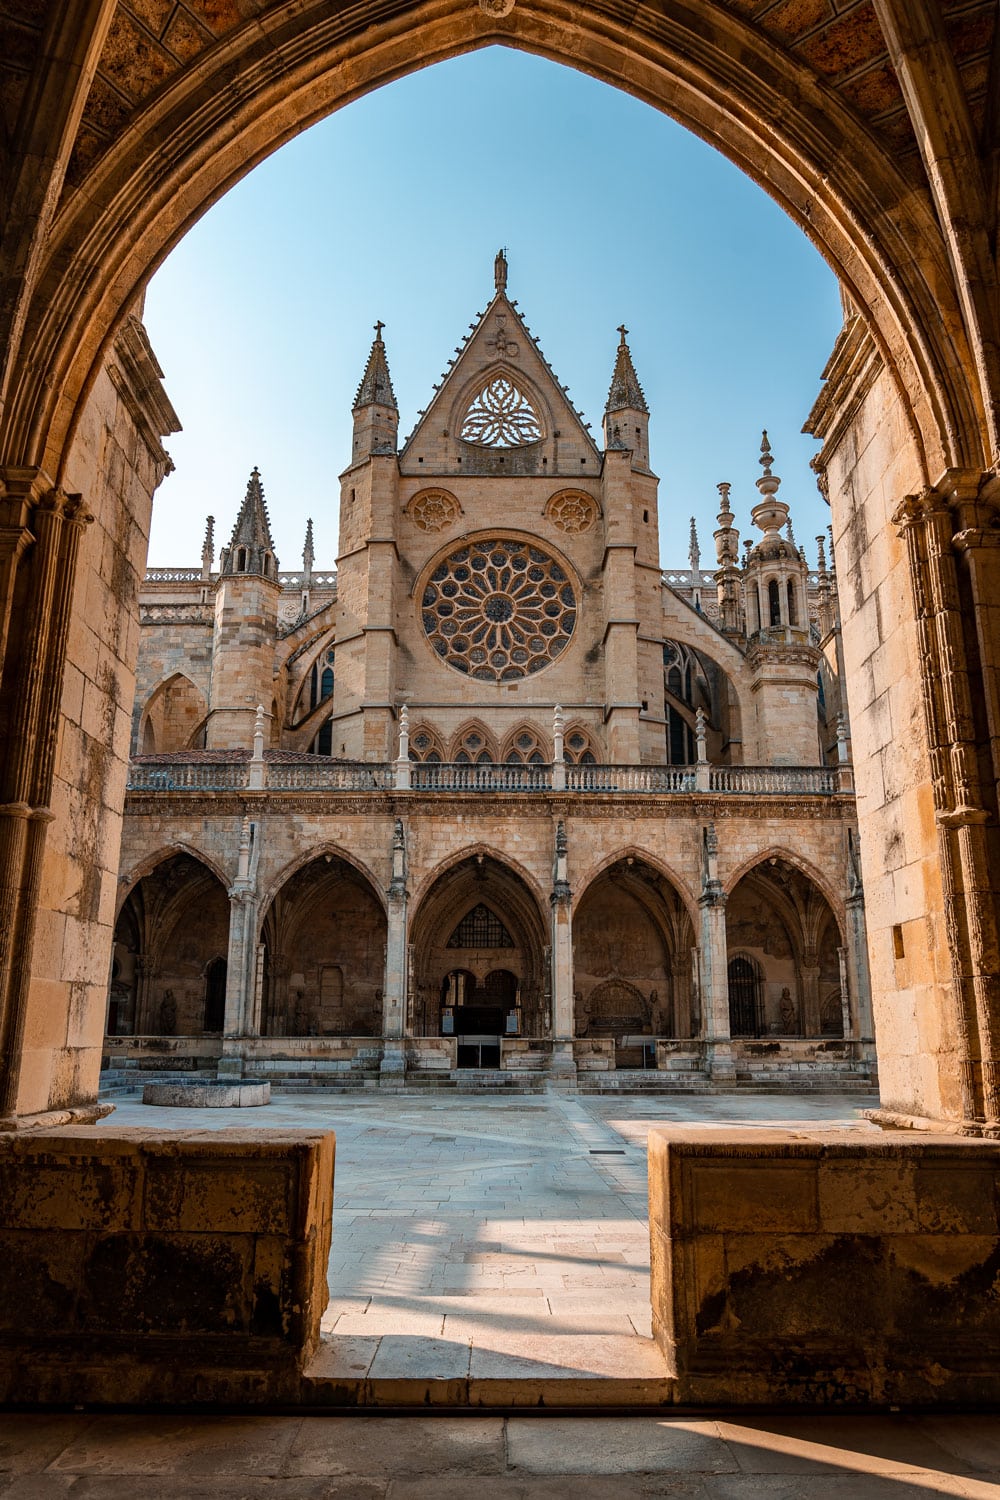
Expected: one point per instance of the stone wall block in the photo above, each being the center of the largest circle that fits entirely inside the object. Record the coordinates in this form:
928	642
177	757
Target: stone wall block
878	1289
133	1261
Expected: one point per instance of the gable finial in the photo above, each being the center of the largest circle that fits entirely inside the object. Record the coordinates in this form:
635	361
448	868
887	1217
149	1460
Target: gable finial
378	325
500	270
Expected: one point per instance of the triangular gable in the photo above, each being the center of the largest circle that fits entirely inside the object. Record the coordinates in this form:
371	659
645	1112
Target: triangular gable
500	372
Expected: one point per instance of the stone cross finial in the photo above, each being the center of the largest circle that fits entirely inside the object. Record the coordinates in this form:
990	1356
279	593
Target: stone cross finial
378	326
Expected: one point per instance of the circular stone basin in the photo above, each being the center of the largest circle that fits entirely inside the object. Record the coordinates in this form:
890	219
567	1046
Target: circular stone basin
207	1095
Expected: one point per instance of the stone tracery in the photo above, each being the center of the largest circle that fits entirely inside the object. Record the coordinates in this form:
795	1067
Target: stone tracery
498	610
501	416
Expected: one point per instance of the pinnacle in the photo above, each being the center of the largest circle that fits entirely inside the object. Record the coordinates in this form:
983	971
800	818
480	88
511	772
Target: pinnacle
626	393
376	384
253	526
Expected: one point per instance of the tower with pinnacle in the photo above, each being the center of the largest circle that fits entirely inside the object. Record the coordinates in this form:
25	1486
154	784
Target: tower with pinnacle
780	649
245	625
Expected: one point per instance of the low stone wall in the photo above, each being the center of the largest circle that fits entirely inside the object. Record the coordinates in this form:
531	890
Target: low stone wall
816	1269
151	1266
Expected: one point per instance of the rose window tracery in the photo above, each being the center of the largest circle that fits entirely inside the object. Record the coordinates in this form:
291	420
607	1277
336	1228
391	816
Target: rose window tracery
498	610
433	510
572	512
501	416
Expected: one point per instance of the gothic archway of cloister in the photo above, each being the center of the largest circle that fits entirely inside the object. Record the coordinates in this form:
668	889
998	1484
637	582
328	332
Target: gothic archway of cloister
478	917
782	925
875	140
633	939
170	945
323	934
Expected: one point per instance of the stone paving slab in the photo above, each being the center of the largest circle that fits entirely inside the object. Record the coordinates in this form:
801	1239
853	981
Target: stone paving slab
503	1231
493	1458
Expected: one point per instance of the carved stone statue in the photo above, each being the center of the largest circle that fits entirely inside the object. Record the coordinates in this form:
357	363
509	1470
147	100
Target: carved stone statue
168	1014
789	1014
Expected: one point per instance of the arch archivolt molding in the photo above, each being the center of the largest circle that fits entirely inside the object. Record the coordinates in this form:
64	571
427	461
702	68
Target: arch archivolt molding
441	867
711	71
583	884
149	864
315	852
802	866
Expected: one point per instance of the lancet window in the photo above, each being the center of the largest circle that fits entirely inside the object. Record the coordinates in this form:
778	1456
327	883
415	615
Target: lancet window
473	747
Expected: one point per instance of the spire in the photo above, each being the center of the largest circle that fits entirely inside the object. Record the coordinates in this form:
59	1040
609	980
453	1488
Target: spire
626	392
694	552
208	548
727	552
376	385
500	272
251	549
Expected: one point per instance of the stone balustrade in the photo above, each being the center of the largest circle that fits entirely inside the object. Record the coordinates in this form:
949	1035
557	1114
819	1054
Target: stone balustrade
365	776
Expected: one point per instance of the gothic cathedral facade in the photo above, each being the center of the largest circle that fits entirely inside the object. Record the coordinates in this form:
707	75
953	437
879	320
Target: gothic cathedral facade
498	799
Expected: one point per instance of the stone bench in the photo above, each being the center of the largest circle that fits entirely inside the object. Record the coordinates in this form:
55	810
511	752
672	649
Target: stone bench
817	1269
148	1265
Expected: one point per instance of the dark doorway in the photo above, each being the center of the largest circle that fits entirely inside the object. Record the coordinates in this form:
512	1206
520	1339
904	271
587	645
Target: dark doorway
215	995
744	998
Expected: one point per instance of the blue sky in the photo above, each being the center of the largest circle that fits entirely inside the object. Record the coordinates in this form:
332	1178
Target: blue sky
394	207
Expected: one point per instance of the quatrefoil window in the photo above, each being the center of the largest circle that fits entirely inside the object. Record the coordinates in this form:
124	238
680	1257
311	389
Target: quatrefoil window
498	610
501	416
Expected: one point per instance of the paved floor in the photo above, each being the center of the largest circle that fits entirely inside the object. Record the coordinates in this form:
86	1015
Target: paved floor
492	1458
496	1238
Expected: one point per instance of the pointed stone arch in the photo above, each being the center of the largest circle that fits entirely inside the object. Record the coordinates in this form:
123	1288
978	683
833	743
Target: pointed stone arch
426	745
172	717
316	851
633	939
473	743
177	911
779	917
322	937
793	857
515	941
526	745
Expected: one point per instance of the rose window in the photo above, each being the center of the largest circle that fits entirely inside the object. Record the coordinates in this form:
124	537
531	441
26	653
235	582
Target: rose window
501	416
498	610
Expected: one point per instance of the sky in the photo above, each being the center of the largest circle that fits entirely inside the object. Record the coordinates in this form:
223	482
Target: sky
393	209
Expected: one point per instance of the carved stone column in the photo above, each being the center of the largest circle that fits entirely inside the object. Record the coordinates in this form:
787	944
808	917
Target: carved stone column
963	808
241	965
41	529
859	987
396	959
561	902
719	1055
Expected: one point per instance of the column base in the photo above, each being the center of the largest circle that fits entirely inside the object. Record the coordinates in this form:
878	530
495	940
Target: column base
562	1061
720	1062
393	1060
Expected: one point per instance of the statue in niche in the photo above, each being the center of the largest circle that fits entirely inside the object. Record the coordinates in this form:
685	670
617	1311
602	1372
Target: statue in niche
168	1014
789	1013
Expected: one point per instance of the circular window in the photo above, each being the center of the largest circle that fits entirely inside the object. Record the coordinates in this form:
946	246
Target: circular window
498	610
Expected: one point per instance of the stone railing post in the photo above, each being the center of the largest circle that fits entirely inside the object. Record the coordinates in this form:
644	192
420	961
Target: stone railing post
257	758
403	772
701	770
558	747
